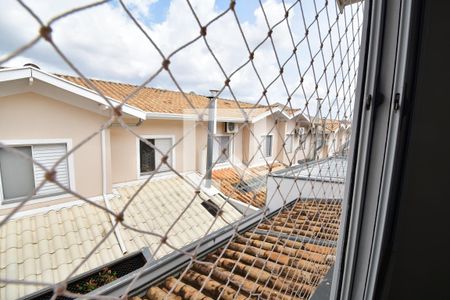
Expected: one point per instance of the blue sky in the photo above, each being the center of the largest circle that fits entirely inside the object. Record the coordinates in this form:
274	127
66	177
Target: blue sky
245	10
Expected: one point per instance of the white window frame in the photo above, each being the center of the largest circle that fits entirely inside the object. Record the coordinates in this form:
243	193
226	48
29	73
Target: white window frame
139	175
231	150
302	138
31	142
291	137
263	140
373	154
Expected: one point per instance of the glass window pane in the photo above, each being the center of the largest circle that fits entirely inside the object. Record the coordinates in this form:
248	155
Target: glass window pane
221	143
147	154
16	173
289	141
164	146
268	145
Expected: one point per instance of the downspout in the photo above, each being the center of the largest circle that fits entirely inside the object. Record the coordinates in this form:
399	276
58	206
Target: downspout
105	197
212	125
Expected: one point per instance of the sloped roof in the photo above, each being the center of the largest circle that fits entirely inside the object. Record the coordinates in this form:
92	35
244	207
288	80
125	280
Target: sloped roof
264	265
164	101
47	247
331	125
229	181
150	102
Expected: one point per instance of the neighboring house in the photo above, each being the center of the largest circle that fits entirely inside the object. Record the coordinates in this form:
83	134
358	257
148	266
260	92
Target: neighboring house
328	137
45	115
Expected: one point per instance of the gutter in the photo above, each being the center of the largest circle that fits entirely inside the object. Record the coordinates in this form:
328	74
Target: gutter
105	197
175	261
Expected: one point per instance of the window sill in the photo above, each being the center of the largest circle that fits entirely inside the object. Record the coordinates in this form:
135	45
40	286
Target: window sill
156	174
34	200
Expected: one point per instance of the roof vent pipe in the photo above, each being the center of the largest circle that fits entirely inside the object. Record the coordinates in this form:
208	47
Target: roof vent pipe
31	65
319	119
212	113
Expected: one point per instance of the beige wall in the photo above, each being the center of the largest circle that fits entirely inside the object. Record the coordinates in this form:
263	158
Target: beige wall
261	128
299	152
236	141
337	140
190	154
124	146
32	116
201	144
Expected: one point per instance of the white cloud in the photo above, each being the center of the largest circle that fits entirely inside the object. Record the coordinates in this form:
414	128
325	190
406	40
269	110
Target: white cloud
104	43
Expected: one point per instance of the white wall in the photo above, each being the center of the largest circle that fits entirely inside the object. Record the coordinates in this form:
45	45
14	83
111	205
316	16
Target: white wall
282	190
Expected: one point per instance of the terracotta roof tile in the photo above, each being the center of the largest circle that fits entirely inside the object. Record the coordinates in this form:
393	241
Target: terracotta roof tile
228	179
331	124
164	101
263	266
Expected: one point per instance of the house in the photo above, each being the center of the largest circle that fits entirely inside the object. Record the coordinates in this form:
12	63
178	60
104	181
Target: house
327	137
45	116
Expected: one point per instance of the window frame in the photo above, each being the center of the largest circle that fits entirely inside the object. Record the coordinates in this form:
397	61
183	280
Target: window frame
140	175
302	138
230	150
34	142
264	150
290	137
375	146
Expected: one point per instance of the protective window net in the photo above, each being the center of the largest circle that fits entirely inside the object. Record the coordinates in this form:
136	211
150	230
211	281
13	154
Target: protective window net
231	195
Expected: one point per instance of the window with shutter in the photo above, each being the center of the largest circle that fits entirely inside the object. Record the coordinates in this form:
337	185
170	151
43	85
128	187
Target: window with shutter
47	155
19	176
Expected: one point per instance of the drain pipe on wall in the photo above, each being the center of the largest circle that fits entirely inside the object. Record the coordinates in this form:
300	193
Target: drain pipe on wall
105	197
212	125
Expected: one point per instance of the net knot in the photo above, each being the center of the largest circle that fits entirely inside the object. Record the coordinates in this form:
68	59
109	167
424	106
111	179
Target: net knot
60	288
232	4
166	64
50	175
203	31
164	239
46	33
117	111
120	217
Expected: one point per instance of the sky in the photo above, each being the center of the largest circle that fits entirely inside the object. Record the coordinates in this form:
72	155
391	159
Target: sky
104	43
